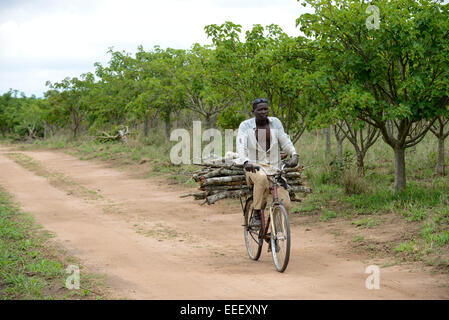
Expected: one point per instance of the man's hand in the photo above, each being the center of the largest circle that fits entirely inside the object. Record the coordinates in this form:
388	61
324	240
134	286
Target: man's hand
293	162
249	167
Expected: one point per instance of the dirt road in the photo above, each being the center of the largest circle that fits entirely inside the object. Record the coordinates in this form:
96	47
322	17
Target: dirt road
151	244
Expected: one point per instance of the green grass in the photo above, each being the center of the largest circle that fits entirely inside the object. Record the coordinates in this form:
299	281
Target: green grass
327	215
30	268
406	247
368	222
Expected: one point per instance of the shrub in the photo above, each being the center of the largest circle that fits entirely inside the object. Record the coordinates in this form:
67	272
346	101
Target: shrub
353	183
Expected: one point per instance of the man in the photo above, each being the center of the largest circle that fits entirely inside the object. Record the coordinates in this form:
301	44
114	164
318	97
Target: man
259	141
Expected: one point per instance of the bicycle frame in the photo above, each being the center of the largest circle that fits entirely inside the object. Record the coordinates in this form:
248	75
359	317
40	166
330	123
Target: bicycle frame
270	220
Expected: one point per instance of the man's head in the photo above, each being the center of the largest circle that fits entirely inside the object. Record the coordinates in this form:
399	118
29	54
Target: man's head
260	109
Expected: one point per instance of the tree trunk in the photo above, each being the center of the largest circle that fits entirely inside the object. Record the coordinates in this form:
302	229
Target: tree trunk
75	131
167	127
327	132
361	163
207	120
399	169
340	137
340	149
146	126
75	126
439	169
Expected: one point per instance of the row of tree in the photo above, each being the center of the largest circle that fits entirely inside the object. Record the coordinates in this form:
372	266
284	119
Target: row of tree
391	81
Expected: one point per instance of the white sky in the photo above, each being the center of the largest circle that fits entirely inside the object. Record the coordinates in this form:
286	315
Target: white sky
44	40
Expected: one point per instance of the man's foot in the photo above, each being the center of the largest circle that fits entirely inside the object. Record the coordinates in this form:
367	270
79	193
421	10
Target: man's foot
268	238
255	220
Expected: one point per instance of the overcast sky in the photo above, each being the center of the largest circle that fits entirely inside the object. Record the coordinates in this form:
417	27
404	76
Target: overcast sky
44	40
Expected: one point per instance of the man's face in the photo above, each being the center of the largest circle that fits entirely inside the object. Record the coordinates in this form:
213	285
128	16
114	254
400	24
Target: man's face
261	111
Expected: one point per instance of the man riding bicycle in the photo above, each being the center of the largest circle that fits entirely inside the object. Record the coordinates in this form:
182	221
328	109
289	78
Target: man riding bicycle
259	141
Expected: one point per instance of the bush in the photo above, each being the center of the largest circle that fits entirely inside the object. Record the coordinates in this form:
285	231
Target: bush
353	183
338	167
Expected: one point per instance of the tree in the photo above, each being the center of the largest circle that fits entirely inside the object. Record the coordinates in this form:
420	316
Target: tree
340	137
439	130
193	76
362	136
23	116
267	64
9	110
230	64
32	117
119	85
172	95
149	89
70	97
392	77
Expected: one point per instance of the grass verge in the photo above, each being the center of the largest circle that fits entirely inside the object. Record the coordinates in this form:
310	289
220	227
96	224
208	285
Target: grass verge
33	268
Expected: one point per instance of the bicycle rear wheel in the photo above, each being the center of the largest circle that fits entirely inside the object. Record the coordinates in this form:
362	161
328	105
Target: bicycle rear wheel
280	238
253	235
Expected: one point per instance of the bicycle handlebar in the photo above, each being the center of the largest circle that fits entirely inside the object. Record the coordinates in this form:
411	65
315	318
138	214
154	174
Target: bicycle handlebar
279	170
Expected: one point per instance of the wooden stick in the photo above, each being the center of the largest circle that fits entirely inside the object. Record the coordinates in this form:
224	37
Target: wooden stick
197	195
222	180
293	175
223	187
295	183
303	189
227	194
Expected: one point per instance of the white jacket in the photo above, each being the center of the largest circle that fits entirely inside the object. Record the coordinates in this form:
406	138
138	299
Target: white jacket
250	150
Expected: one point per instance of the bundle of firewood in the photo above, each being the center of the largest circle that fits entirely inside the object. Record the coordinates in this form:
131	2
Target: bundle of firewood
220	181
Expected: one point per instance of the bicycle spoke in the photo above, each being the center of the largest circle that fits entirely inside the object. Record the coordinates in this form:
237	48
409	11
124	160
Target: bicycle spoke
255	235
281	239
252	235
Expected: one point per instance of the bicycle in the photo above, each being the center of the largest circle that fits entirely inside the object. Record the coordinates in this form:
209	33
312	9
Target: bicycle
277	223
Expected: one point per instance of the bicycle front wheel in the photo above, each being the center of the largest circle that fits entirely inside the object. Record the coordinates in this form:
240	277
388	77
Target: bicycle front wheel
280	238
253	235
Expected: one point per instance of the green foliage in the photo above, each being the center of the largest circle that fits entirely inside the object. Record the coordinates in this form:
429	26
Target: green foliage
70	100
24	117
269	54
230	118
